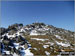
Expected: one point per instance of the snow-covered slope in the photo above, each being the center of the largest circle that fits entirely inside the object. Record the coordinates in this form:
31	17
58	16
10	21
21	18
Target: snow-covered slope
35	39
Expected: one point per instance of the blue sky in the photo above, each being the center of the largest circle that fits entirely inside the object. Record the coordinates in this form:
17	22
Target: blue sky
59	14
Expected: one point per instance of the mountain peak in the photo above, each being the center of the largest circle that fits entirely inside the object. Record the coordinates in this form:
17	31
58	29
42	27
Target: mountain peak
29	40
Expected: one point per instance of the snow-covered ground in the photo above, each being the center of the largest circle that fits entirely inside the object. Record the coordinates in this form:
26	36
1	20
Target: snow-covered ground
45	46
35	48
15	54
39	39
58	37
47	53
37	31
16	45
24	52
28	53
63	44
7	52
6	34
34	32
51	43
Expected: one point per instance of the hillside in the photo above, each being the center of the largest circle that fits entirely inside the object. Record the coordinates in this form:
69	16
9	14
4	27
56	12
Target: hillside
36	39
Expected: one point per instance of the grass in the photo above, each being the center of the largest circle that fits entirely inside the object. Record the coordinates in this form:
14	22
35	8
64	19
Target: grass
40	49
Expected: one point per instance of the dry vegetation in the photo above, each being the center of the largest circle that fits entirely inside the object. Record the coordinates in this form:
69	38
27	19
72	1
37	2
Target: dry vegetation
38	44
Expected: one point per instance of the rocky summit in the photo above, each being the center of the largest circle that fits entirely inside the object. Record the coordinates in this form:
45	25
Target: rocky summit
36	39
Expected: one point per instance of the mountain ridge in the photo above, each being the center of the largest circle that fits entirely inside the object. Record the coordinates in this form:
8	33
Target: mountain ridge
32	25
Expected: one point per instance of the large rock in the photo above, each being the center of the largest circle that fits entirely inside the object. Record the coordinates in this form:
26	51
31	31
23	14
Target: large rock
2	30
6	42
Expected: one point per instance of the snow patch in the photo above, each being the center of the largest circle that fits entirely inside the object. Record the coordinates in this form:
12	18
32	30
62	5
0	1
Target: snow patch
39	39
63	44
7	52
50	43
58	55
16	45
10	35
35	48
34	32
58	37
47	53
45	46
28	53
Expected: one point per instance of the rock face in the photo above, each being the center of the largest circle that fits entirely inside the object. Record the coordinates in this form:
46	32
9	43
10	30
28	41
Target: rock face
35	39
2	30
